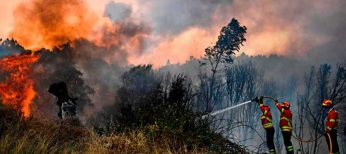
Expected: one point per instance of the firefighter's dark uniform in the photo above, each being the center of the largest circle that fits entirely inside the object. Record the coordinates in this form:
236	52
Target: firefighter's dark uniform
286	126
60	91
331	133
267	123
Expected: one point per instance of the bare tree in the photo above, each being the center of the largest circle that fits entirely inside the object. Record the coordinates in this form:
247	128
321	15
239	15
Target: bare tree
317	88
242	85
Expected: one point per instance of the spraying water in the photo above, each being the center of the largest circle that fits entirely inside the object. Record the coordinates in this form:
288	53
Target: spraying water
226	109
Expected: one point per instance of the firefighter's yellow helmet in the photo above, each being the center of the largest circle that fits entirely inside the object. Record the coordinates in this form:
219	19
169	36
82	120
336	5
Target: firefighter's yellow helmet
286	104
327	103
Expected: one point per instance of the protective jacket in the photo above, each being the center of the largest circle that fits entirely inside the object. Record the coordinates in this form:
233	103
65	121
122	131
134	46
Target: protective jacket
285	118
332	120
266	117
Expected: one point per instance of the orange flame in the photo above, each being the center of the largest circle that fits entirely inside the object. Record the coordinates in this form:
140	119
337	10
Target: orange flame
17	88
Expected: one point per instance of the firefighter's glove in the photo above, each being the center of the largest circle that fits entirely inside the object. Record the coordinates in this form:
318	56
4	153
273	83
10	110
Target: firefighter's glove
256	99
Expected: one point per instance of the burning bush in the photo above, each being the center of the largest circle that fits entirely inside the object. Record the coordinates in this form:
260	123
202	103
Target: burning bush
26	76
16	88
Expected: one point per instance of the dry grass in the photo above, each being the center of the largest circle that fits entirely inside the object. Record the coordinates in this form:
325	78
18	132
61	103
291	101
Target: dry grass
34	135
133	142
69	137
42	137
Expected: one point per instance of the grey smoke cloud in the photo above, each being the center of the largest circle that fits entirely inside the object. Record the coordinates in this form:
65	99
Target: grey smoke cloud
175	16
330	24
298	29
117	11
307	32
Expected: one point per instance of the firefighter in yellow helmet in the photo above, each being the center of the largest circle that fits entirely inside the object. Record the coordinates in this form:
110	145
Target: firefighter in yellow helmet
286	124
332	121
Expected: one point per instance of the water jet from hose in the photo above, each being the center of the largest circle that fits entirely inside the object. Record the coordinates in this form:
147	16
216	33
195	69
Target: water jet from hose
226	109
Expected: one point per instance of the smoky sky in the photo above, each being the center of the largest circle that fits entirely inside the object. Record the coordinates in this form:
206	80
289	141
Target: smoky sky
311	29
301	29
175	16
117	11
333	25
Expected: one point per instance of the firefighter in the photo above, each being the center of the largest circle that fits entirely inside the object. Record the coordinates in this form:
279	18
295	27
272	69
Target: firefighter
267	124
66	104
286	124
332	121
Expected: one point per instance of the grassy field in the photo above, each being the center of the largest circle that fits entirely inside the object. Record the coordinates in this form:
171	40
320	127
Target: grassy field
67	137
19	135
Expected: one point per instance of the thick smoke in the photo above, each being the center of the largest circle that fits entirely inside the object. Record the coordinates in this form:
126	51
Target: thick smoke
56	66
174	17
184	28
90	79
289	28
49	23
89	57
331	25
117	11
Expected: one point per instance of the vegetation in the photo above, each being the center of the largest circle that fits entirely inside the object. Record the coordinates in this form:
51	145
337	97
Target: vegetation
162	111
155	115
148	132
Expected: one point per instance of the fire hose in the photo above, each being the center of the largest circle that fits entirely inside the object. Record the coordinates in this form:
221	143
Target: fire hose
330	144
307	141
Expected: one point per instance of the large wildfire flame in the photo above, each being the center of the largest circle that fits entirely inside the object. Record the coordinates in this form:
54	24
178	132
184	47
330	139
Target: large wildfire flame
17	88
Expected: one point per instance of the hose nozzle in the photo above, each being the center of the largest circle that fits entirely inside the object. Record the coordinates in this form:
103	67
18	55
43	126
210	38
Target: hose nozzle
256	99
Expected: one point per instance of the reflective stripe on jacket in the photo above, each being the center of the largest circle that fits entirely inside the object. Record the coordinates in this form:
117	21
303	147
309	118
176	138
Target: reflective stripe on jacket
266	117
332	120
285	118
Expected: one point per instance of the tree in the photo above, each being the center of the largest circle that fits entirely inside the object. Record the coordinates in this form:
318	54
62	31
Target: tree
338	91
229	41
137	83
12	46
